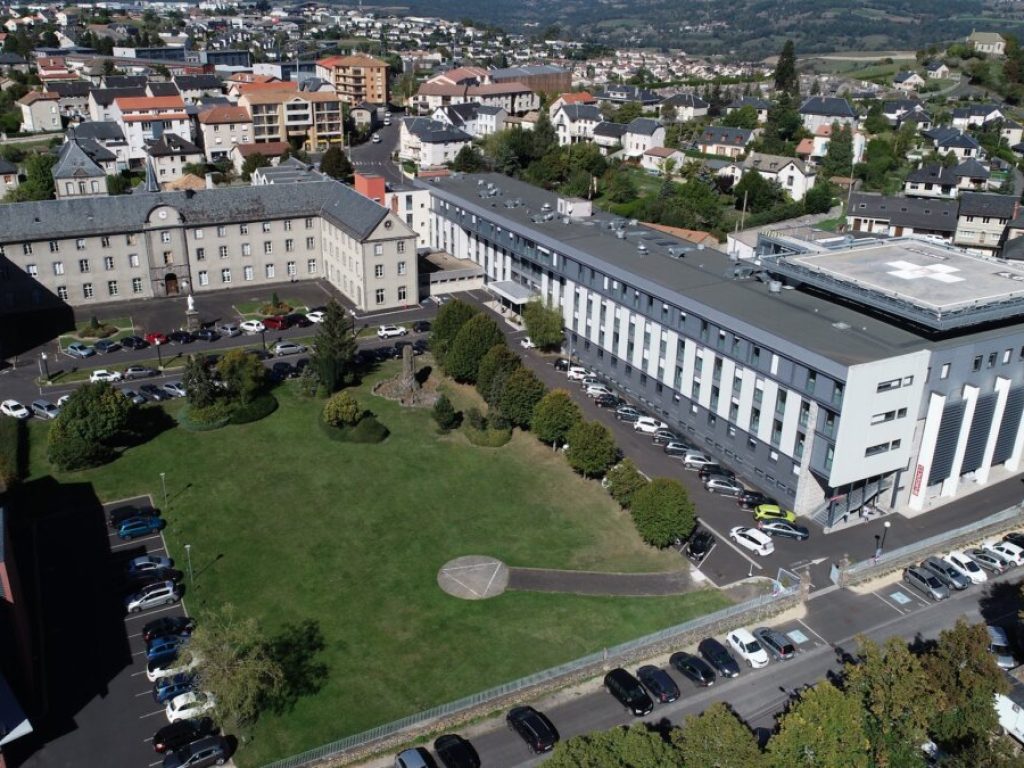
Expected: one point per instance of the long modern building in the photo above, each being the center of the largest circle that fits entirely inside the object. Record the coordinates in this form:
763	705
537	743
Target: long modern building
831	373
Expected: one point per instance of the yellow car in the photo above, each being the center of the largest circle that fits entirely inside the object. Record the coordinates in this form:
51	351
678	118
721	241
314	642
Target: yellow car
773	512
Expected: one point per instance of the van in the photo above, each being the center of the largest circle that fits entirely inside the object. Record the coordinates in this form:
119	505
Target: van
999	646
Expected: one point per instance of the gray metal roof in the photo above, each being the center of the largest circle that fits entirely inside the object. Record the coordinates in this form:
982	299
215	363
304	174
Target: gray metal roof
171	144
163	89
50	219
686	100
827	106
643	126
980	204
68	90
933	173
934	215
611	130
576	112
105	96
433	131
124	81
720	134
750	101
7	166
198	82
74	163
100	130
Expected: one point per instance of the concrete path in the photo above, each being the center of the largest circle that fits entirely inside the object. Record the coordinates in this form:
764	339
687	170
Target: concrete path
593	583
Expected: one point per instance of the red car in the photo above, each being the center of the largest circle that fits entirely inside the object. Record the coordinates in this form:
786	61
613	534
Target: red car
277	323
156	338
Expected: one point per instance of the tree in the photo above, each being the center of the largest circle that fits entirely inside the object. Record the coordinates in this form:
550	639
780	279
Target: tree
495	367
819	197
744	117
544	137
243	373
444	414
38	184
341	410
756	192
838	160
897	700
591	448
237	667
717	738
252	162
474	339
195	169
450	319
635	747
786	78
519	397
335	163
199	388
876	121
619	186
118	185
823	729
662	512
90	424
554	416
879	160
543	324
623	481
468	160
961	667
336	347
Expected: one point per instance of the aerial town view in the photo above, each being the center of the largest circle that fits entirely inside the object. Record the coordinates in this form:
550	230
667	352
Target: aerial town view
579	384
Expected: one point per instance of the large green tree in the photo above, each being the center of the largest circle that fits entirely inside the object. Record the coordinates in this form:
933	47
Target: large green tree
838	160
757	193
474	339
243	374
543	324
554	416
662	512
591	448
199	387
38	184
635	747
520	395
91	423
334	358
786	78
744	117
494	369
450	319
468	160
823	729
335	163
717	738
623	480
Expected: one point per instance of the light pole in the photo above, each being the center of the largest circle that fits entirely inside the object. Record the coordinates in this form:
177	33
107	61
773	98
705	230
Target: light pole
159	355
188	557
163	484
46	365
881	540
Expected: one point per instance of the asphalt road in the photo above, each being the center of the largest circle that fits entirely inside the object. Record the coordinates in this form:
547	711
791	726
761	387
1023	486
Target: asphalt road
376	158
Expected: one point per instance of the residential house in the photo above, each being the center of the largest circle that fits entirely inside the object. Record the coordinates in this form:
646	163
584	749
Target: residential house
478	120
687	106
902	216
272	150
583	97
539	78
194	88
221	128
657	159
429	142
982	221
949	140
642	133
40	112
356	78
169	154
932	180
315	119
75	174
8	177
514	98
991	43
162	89
907	81
623	94
724	141
936	70
107	135
814	148
576	122
73	97
976	116
825	110
897	111
1011	132
793	175
101	101
145	118
609	136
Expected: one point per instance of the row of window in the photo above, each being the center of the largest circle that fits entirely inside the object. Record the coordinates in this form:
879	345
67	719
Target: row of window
989	361
380	295
243	229
268	248
249	273
891	384
378	269
875	450
89	291
83	265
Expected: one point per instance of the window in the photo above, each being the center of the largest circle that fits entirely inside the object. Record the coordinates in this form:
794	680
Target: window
133	259
222	251
80	244
269	270
379	295
54	246
268	246
944	371
401	293
105	241
225	275
168	258
108	263
204	277
976	366
400	247
87	290
886	386
243	229
247	272
26	249
136	285
32	269
378	270
62	292
309	243
874	450
58	267
112	287
165	236
198	234
309	223
200	254
991	359
289	245
287	225
266	226
378	249
131	239
83	265
222	231
1006	356
311	266
291	269
246	249
401	271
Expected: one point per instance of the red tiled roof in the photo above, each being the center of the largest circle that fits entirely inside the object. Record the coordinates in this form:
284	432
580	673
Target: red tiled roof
224	114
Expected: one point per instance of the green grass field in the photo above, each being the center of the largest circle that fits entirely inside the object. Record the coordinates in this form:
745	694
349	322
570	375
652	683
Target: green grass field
251	309
288	525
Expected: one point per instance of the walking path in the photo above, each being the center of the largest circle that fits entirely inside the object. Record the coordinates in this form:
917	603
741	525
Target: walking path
594	583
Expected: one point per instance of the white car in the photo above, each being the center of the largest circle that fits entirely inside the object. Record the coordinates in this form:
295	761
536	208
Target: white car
695	460
649	426
156	670
14	409
251	326
160	593
577	373
966	566
756	541
316	317
527	343
1011	553
376	138
390	331
188	705
748	648
175	389
596	390
62	400
103	375
283	348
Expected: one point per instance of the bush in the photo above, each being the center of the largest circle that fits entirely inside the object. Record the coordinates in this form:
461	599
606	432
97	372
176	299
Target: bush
342	410
204	419
98	331
488	437
257	409
591	448
473	341
444	414
623	480
368	430
662	512
475	419
69	451
13	453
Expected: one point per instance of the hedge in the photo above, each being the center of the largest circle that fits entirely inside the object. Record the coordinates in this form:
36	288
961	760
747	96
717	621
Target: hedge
13	451
487	438
260	408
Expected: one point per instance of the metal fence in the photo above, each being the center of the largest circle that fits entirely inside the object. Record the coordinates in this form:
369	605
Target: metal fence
733	615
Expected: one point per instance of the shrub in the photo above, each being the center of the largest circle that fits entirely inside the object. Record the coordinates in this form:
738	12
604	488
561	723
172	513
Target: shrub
474	339
368	430
623	480
444	414
489	437
342	409
204	419
13	453
475	419
591	448
254	410
662	512
69	451
554	416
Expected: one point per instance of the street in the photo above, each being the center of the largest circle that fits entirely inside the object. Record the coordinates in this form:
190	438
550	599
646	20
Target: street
376	158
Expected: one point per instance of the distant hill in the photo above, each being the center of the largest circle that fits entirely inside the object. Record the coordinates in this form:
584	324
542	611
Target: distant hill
752	28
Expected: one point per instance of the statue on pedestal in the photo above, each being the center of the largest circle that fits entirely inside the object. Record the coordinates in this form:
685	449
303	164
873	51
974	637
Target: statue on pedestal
191	306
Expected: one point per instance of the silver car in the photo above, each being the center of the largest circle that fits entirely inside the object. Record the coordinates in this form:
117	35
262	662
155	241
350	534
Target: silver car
723	485
44	409
949	575
926	582
999	646
282	348
230	330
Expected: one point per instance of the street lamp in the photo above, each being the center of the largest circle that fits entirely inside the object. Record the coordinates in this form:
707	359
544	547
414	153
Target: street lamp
159	355
163	484
188	556
46	365
881	540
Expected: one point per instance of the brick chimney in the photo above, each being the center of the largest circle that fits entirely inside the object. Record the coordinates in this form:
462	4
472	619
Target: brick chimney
371	186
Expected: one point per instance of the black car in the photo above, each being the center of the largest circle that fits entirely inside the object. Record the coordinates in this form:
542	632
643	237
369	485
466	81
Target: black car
561	364
206	334
138	580
420	326
607	401
718	656
180	337
658	683
106	346
298	321
699	545
777	644
752	499
709	470
1016	537
134	342
281	371
184	732
419	346
628	692
455	752
153	392
201	753
118	515
168	625
533	727
694	668
784	529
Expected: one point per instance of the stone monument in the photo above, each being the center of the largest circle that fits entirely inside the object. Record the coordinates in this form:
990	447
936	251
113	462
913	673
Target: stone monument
191	315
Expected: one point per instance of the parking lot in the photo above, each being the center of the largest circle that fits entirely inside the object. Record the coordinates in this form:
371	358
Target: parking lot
100	708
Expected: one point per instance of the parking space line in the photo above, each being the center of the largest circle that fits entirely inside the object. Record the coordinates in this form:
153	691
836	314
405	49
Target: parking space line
896	608
136	674
144	693
150	612
132	543
151	714
139	653
803	624
726	541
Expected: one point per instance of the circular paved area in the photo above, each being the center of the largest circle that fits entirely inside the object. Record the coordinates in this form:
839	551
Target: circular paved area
473	577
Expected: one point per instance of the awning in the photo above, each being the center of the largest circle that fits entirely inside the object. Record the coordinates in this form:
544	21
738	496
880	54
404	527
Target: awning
514	292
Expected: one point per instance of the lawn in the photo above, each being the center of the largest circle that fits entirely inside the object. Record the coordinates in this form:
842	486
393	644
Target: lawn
251	309
288	525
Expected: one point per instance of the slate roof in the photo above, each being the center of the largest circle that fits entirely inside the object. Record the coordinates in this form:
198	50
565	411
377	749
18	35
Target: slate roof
105	96
530	70
895	106
685	100
628	93
980	204
975	110
6	166
643	126
959	141
224	115
95	150
773	163
74	163
124	81
163	89
70	90
750	101
576	112
933	173
935	215
610	130
100	130
1013	249
720	134
198	82
827	106
934	66
171	145
900	77
76	217
433	131
971	169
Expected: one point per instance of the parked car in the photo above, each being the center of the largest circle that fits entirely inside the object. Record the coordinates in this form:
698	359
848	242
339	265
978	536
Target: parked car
182	733
106	346
104	375
748	648
230	330
533	727
134	396
967	566
44	409
161	593
926	582
589	381
211	750
527	343
694	668
421	326
598	390
723	485
298	321
206	334
169	667
165	645
713	470
166	688
751	499
949	575
282	348
561	364
627	690
119	515
139	526
773	512
155	337
577	373
188	705
139	372
175	389
659	683
416	757
168	625
138	580
664	437
990	561
1015	537
180	337
677	448
607	401
316	316
15	410
134	342
275	323
999	646
699	545
779	646
281	371
784	530
718	656
391	331
154	392
627	413
78	349
148	564
648	425
750	538
455	752
694	460
376	138
1011	553
251	326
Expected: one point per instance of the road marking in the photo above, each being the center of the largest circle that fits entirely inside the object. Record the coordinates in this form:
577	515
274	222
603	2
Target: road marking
150	612
132	542
139	653
898	610
803	624
728	543
158	712
144	693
